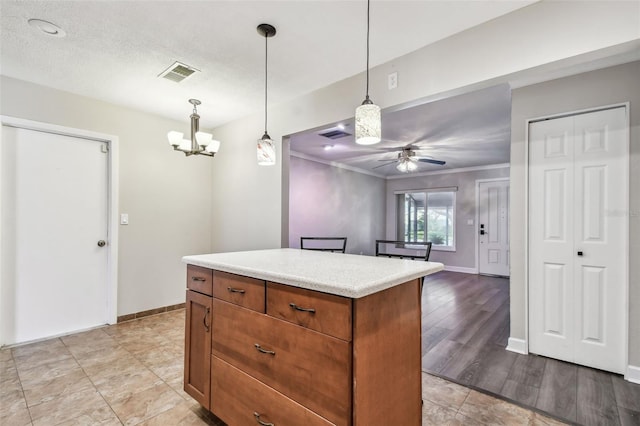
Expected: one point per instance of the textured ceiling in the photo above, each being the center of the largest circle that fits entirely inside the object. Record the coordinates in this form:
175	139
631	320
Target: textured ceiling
114	50
469	130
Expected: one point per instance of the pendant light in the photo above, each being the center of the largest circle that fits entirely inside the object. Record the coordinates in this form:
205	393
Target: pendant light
266	146
368	126
200	143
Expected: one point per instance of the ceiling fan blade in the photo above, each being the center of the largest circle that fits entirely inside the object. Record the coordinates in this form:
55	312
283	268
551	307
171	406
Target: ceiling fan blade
382	165
429	160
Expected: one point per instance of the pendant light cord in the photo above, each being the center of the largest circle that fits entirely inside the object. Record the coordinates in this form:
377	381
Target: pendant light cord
265	82
368	6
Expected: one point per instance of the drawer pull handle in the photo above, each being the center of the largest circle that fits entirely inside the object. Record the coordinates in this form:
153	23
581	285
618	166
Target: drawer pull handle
235	290
198	279
257	416
264	351
204	320
301	309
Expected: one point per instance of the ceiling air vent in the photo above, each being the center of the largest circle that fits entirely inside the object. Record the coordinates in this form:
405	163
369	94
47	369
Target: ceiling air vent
334	133
177	72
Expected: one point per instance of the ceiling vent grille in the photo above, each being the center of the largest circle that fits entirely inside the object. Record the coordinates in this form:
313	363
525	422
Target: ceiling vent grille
334	133
177	72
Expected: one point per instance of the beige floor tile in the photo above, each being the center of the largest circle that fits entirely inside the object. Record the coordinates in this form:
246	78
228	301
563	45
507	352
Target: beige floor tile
178	386
30	377
442	392
490	410
124	385
17	416
69	383
12	401
9	387
181	414
461	420
88	360
89	342
8	371
5	355
35	354
146	404
434	414
86	407
122	365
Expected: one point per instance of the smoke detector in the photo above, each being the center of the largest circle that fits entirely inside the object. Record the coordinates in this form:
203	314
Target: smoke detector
178	72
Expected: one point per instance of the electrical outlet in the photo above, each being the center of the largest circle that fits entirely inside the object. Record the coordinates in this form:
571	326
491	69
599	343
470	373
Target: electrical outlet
392	80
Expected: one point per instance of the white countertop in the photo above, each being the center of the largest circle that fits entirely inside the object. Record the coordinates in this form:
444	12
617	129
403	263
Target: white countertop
346	275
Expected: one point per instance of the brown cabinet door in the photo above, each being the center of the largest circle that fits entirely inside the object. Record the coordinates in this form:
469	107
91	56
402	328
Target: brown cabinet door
197	354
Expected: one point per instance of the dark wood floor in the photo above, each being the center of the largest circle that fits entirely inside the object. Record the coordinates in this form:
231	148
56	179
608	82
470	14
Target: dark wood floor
465	327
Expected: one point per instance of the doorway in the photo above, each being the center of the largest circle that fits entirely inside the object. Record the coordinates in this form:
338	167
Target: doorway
578	238
58	234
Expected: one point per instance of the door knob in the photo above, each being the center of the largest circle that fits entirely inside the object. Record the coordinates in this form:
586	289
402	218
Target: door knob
102	243
579	253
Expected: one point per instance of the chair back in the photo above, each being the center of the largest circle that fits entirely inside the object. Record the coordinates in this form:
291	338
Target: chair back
332	244
399	249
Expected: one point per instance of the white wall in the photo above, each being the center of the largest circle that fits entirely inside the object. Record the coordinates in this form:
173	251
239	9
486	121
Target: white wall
331	201
167	196
465	254
528	44
594	89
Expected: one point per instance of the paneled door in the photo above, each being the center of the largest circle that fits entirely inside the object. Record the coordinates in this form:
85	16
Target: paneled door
578	250
54	223
493	227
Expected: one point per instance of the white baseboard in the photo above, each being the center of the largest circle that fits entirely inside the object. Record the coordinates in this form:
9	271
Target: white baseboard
461	269
633	374
517	346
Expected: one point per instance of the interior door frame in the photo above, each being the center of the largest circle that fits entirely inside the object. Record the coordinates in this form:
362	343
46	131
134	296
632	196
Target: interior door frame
525	345
112	195
477	239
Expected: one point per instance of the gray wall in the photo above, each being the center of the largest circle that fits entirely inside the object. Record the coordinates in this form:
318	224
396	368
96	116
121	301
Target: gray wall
465	254
330	201
583	91
167	196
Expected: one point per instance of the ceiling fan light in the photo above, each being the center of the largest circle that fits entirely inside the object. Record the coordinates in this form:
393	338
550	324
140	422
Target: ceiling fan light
266	151
406	165
368	128
175	138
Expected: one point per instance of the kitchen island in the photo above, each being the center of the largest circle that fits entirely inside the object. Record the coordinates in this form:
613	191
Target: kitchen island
295	337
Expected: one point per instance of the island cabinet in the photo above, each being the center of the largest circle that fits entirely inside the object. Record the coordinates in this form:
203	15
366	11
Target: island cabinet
282	355
197	361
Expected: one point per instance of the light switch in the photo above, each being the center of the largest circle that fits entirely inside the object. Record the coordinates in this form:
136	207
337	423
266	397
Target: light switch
469	221
124	219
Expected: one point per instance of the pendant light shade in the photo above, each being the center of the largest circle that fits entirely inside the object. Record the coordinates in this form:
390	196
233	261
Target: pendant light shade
266	146
368	129
368	120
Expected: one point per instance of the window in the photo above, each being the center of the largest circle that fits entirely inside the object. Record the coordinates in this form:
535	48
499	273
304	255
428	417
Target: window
427	216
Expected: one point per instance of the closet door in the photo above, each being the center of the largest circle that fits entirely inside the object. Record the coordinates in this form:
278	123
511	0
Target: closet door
578	247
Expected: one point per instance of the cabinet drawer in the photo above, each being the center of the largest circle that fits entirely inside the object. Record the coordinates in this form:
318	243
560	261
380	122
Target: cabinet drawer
237	398
326	313
199	279
311	368
243	291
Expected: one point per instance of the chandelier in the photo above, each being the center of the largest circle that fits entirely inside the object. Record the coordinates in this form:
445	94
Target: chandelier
201	143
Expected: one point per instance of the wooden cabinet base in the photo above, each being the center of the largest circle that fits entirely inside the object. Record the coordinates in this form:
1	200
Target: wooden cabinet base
238	399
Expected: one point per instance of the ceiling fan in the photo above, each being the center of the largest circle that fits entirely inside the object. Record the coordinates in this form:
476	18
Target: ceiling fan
407	160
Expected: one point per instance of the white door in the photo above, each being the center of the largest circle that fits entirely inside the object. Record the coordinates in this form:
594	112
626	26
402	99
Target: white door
493	228
578	238
54	213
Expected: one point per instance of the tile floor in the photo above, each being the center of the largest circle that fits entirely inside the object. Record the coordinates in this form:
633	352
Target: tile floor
131	374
